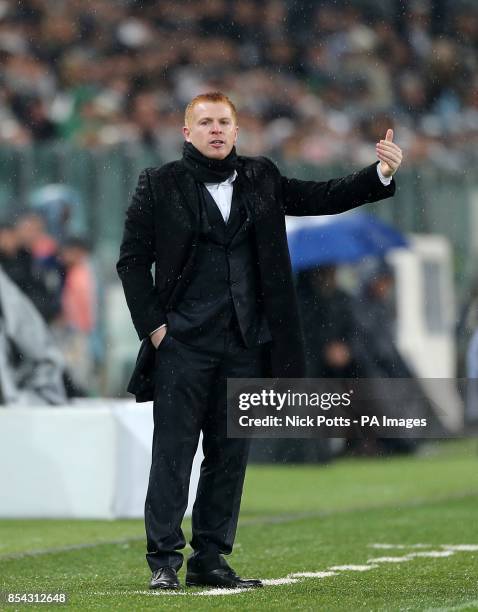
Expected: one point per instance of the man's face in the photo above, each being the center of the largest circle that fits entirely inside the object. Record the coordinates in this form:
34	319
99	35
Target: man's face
29	229
212	129
382	287
71	255
8	241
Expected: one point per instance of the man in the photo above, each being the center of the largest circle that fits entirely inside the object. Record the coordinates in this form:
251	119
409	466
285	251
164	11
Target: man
375	347
19	264
222	304
327	316
31	366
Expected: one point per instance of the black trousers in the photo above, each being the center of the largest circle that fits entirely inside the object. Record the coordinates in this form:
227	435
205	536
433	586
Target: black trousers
190	397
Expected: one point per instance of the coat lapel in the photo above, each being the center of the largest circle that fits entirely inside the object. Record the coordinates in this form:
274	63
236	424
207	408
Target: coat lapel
257	203
188	189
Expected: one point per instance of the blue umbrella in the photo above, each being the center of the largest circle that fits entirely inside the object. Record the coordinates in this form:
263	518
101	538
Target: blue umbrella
344	238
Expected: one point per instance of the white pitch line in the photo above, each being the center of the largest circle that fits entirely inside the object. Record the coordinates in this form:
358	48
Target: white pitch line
388	559
69	548
399	546
215	592
454	547
152	593
461	547
312	574
426	553
168	593
464	606
352	568
432	553
449	550
275	581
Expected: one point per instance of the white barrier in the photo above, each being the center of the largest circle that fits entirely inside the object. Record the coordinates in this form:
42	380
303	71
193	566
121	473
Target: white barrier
87	460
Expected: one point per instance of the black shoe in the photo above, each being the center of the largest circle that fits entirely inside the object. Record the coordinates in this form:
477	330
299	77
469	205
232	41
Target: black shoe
164	578
221	577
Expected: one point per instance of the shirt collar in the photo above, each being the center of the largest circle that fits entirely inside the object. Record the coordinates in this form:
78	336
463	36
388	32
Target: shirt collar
228	181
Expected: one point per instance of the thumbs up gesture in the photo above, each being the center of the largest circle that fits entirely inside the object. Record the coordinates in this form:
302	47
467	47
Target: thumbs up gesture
389	154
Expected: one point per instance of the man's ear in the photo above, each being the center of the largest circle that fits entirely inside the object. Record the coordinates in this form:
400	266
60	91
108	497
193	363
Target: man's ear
186	132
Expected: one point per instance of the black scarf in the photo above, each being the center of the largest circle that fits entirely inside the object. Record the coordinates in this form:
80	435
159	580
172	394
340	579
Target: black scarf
207	170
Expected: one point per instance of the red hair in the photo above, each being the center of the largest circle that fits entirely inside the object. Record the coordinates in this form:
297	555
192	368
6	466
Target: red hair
210	96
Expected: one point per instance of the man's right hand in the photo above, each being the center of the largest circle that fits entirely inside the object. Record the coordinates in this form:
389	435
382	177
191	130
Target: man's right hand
158	336
337	354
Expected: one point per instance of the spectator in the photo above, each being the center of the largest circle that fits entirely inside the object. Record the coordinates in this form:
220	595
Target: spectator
328	321
471	405
376	345
43	249
75	326
31	366
376	351
114	73
79	291
34	237
19	265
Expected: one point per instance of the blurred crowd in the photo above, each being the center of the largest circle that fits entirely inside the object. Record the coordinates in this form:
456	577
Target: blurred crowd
314	82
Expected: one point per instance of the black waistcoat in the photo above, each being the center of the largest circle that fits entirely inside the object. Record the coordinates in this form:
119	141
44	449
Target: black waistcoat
224	289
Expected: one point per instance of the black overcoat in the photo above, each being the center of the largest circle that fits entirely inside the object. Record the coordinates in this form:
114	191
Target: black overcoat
162	227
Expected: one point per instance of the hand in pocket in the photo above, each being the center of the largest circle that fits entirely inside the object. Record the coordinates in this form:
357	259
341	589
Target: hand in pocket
158	336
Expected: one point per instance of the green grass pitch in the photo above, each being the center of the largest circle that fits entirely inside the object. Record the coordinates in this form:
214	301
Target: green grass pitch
295	519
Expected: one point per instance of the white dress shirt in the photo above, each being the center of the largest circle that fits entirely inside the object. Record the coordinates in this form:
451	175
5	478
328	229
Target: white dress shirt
222	195
385	180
